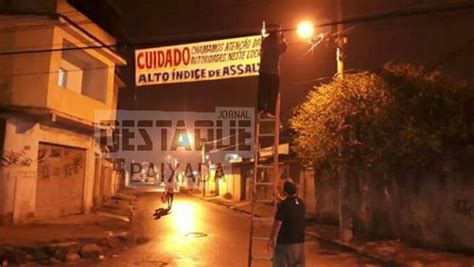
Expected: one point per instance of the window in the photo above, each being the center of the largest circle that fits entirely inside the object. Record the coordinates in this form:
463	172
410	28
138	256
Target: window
62	78
70	76
85	74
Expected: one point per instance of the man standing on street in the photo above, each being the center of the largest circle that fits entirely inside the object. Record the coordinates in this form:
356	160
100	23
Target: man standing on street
169	191
287	236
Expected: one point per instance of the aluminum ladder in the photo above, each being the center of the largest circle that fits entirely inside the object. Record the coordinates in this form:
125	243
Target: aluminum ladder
260	239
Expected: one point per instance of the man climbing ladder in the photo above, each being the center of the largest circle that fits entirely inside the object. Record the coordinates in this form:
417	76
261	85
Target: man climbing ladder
273	46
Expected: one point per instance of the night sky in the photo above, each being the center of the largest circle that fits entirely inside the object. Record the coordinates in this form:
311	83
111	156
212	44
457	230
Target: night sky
426	40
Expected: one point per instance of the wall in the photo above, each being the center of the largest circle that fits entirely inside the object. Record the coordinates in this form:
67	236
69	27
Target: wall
433	208
307	189
31	80
75	103
18	176
105	182
6	44
18	180
237	182
327	197
25	77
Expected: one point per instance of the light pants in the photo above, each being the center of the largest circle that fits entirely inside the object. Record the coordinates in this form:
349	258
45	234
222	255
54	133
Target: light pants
289	255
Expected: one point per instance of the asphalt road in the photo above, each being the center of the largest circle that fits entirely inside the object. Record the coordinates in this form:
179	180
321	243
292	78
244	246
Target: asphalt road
199	233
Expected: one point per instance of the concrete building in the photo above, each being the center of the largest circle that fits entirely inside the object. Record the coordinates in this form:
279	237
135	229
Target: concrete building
50	165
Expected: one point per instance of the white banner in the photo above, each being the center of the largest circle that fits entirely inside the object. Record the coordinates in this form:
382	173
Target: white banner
221	59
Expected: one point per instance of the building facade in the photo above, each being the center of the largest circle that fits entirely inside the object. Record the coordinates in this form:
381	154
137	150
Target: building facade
50	88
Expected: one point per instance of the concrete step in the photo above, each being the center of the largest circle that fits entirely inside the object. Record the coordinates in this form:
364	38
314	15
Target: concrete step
118	204
112	215
116	211
117	207
124	201
126	196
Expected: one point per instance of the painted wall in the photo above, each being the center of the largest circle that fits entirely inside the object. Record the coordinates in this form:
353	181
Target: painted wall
31	80
24	77
72	102
307	190
327	197
432	208
437	204
18	180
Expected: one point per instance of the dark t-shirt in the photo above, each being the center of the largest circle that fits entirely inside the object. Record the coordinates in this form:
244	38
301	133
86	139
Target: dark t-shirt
272	48
291	214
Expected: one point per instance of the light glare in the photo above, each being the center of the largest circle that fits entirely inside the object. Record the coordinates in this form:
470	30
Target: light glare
305	29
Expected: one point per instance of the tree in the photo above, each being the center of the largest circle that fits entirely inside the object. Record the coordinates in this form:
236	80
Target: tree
400	117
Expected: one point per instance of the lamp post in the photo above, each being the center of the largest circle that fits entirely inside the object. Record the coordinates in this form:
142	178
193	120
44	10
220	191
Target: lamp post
306	31
203	160
340	41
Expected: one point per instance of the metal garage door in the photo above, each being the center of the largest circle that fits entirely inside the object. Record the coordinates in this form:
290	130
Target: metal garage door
60	183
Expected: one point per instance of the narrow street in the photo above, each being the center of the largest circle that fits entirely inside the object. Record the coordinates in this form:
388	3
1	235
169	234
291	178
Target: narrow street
220	239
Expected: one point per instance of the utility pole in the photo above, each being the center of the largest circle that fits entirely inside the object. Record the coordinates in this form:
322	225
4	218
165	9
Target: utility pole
346	221
203	160
340	41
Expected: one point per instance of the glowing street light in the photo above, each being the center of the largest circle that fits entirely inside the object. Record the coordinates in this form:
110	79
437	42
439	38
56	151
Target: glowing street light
305	30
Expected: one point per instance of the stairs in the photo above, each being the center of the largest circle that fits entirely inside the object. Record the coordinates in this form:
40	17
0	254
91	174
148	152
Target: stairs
120	206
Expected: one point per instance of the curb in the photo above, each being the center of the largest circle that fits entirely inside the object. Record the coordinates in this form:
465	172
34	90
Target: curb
387	262
44	251
223	205
363	252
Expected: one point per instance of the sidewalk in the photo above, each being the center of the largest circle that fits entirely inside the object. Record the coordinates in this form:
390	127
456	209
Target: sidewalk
61	239
388	252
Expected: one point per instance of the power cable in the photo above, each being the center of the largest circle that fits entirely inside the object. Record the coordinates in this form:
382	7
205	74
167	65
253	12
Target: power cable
27	17
361	19
115	45
51	72
452	54
224	148
80	13
57	45
40	27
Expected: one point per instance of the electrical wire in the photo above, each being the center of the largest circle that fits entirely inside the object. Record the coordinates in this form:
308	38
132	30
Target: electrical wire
89	22
40	27
224	148
352	20
32	17
52	72
362	19
51	46
451	55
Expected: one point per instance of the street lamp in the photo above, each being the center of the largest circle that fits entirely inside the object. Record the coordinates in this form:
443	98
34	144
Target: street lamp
305	30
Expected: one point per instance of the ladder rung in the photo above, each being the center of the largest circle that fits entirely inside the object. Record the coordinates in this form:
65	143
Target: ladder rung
263	201
266	135
270	165
265	166
262	238
263	218
265	120
261	259
263	183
